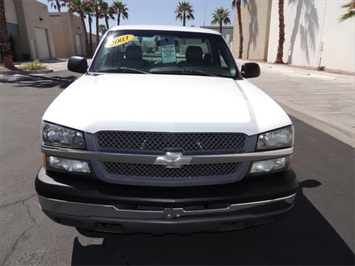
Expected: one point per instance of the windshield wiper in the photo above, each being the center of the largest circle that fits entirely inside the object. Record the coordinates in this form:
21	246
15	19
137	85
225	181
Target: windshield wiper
183	71
122	70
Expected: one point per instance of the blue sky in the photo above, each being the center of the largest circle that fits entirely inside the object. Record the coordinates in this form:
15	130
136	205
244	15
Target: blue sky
162	11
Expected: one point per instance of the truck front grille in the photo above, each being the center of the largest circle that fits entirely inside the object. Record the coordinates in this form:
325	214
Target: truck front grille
159	143
186	171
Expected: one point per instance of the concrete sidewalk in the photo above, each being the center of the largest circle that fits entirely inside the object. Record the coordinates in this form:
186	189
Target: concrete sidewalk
323	100
56	65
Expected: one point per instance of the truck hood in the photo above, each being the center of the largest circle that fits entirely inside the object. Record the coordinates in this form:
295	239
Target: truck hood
165	103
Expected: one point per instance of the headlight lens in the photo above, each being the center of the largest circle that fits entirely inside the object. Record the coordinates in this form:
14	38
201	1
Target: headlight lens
67	165
56	135
275	139
268	166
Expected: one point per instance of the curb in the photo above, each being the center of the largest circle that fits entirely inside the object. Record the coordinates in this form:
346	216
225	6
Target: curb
26	72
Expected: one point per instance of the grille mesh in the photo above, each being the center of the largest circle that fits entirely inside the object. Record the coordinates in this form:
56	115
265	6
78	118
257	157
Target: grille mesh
147	170
159	143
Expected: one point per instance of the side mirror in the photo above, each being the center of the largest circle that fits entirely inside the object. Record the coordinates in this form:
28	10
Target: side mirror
250	70
78	64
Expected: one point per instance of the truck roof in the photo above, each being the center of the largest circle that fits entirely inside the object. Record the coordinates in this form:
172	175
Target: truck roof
165	28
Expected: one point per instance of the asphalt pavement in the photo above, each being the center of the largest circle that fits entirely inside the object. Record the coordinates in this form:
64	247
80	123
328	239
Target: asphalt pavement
327	106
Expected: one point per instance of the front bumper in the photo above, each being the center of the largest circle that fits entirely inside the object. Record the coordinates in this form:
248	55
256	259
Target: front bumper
97	206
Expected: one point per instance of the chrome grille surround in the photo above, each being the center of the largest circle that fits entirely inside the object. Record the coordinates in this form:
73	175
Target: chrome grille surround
159	143
137	144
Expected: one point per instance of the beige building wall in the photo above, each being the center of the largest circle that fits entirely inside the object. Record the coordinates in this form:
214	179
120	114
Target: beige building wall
314	36
68	34
255	23
39	34
35	35
10	12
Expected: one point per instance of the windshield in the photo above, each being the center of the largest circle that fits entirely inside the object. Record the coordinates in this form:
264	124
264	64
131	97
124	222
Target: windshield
164	52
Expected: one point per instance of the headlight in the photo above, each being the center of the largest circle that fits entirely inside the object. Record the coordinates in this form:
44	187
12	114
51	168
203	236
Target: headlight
56	135
279	138
269	166
66	165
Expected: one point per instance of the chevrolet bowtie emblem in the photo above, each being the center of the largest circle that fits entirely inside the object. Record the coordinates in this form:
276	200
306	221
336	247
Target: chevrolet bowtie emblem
173	160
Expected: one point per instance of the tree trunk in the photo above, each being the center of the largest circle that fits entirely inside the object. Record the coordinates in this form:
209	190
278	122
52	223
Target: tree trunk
106	21
280	48
97	24
90	34
85	35
4	39
241	37
8	62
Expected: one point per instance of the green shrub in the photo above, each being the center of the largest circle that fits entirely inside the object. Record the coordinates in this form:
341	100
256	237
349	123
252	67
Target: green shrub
34	65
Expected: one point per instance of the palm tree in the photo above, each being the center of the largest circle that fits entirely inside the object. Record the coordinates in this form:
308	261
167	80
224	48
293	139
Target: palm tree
58	4
237	4
120	9
102	29
106	12
4	39
221	16
95	9
351	11
280	48
88	10
184	12
77	6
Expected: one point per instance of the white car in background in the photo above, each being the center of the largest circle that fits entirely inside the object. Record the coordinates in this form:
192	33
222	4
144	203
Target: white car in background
170	140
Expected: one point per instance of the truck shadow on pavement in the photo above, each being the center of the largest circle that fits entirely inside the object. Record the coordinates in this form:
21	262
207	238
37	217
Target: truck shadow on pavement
39	81
302	237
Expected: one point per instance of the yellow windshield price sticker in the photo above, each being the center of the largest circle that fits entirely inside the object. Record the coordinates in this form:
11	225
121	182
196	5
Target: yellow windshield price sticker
118	40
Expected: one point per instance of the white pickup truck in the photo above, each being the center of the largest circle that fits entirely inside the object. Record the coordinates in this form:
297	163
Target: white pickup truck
170	140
